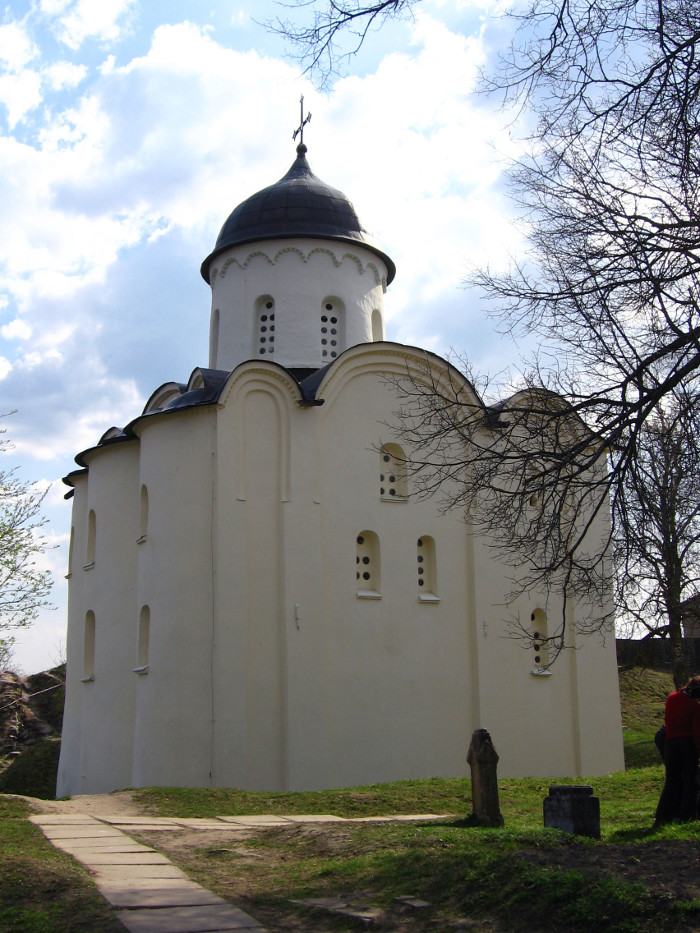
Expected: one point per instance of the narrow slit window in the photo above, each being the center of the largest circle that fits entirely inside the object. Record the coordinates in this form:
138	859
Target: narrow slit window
540	640
331	328
265	324
70	553
89	647
91	539
426	568
144	637
214	338
143	515
392	473
367	570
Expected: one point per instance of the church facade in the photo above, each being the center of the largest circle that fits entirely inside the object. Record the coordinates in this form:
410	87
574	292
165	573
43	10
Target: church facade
255	598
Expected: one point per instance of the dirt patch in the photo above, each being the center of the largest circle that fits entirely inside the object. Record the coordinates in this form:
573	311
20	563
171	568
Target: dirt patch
181	843
664	868
119	803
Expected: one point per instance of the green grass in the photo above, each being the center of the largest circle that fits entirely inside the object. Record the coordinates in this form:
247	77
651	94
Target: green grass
43	890
643	694
628	800
428	796
523	877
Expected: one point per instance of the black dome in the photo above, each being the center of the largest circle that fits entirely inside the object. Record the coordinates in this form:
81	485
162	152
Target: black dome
298	205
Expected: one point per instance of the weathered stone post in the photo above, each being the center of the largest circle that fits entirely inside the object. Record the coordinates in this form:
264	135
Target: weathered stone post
483	759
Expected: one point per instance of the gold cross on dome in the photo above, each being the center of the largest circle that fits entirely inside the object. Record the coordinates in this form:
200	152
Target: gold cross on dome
300	129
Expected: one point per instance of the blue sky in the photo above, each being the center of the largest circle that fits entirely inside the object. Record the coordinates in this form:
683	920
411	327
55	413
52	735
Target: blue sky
129	130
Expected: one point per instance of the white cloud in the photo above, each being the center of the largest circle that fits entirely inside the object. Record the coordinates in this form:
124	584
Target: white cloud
16	47
16	330
20	93
65	75
5	367
54	7
104	20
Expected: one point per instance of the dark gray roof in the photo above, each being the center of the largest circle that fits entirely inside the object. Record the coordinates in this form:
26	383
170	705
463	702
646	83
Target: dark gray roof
298	205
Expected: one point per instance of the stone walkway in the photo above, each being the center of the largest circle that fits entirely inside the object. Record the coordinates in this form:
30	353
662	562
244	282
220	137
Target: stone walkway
148	893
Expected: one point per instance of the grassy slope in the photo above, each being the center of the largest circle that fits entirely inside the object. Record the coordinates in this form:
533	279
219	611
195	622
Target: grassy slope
43	890
474	872
480	874
642	697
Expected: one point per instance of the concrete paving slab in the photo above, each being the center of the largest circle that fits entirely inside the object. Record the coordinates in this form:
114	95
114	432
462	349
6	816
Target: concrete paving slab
133	873
188	920
151	894
317	818
402	818
123	858
157	893
370	819
117	820
260	820
81	832
80	851
58	819
417	818
207	824
92	842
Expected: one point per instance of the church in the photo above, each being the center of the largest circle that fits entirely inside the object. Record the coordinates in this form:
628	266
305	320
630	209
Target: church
256	600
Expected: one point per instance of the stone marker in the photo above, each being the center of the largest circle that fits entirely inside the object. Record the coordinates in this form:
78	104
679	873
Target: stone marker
483	759
573	809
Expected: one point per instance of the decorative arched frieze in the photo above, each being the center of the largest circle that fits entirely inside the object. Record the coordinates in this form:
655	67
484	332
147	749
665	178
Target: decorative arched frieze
304	255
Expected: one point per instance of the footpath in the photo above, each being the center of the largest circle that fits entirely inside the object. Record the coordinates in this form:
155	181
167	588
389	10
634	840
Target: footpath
147	892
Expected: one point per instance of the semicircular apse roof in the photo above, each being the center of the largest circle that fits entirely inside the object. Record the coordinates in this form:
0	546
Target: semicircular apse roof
298	205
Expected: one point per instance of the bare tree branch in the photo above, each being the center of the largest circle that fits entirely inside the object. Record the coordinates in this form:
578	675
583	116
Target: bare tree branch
336	31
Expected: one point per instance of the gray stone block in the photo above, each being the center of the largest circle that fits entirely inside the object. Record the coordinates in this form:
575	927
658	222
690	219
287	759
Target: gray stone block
573	809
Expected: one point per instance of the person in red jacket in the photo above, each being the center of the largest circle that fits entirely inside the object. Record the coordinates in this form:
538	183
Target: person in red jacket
678	800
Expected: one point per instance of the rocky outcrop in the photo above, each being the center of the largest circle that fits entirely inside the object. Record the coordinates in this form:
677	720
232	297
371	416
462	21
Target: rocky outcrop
31	708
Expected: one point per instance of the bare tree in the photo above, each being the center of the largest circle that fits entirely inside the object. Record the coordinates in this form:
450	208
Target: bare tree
657	541
24	587
610	283
320	43
530	479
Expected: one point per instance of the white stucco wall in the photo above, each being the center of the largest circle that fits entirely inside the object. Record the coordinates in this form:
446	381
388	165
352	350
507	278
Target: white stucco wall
265	668
96	753
173	722
297	277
